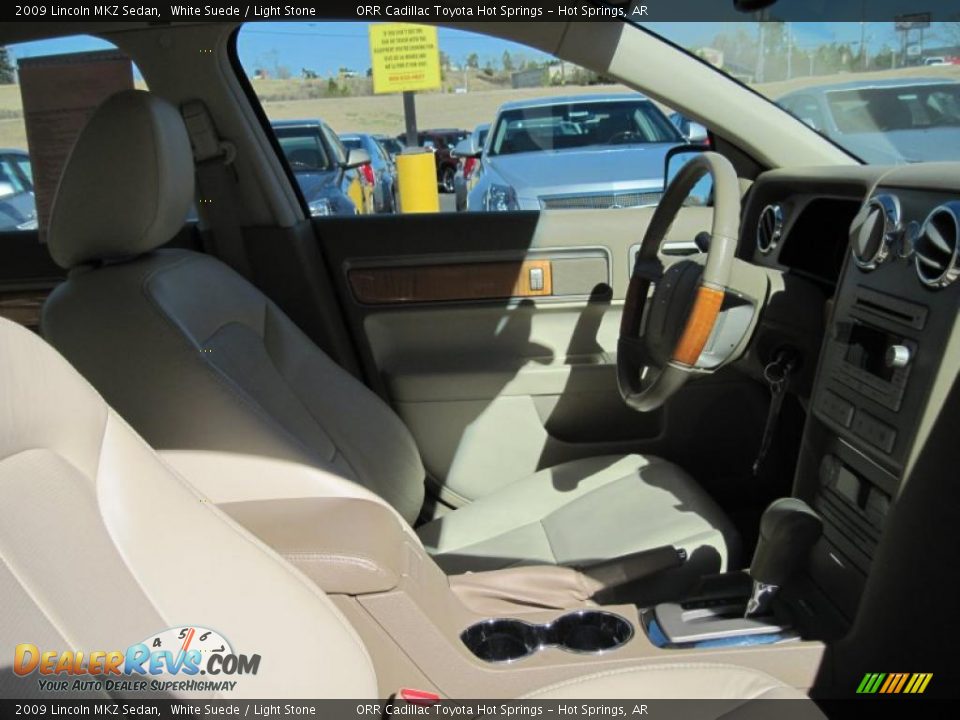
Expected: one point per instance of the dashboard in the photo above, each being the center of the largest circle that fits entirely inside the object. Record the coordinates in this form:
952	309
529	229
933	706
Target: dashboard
880	249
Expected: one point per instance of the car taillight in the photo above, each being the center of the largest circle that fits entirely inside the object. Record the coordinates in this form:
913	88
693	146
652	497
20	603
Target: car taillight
368	174
468	165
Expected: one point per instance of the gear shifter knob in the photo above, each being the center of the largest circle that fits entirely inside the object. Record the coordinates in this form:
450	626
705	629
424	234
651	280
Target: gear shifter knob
788	530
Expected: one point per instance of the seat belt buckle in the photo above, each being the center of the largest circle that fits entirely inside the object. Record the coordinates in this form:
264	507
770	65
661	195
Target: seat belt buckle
412	696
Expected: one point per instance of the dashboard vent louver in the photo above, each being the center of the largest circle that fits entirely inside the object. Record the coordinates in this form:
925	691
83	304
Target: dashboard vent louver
876	231
935	249
769	228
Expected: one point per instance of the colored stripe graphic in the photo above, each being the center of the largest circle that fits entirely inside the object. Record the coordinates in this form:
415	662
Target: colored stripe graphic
894	683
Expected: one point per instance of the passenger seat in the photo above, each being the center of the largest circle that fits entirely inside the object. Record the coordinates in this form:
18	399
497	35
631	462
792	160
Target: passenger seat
197	358
103	545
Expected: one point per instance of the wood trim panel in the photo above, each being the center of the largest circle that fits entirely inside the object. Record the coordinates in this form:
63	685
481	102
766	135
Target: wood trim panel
441	283
23	307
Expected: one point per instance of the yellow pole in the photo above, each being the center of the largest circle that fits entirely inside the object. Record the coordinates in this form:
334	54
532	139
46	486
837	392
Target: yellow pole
417	181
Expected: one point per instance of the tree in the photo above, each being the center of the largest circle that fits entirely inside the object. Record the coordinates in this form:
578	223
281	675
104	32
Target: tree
7	73
444	60
473	61
507	61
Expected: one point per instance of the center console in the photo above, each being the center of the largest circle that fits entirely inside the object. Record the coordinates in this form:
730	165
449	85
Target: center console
895	314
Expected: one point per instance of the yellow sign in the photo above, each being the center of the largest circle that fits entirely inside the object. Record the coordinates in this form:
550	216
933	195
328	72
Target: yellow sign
404	57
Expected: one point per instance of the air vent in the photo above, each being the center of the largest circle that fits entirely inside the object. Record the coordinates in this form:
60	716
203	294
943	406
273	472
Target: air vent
936	247
875	231
769	228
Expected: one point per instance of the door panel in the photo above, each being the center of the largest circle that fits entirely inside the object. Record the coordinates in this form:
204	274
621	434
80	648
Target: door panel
496	381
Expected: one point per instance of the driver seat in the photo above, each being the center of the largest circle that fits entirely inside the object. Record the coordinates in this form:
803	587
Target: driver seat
198	359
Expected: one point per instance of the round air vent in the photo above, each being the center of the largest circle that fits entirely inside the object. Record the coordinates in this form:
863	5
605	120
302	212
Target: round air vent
875	231
936	247
769	228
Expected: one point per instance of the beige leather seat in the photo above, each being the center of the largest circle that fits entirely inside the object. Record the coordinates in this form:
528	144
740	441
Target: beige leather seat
195	357
103	545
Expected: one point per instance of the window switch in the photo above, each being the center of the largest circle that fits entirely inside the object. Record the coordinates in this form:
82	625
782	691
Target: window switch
536	278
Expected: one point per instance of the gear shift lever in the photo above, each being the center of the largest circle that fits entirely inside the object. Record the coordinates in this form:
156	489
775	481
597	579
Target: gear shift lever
788	530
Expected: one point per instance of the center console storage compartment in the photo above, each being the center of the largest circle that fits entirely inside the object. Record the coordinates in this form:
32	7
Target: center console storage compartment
584	631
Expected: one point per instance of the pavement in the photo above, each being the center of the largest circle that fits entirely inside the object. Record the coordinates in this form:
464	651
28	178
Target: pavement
448	202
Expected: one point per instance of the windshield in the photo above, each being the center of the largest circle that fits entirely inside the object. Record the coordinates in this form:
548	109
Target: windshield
394	147
304	149
574	125
885	92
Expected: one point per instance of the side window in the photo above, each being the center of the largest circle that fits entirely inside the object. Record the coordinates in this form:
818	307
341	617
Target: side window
12	182
51	88
550	122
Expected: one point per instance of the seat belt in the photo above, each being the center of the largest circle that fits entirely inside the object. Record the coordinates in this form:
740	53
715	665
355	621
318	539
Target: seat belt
218	190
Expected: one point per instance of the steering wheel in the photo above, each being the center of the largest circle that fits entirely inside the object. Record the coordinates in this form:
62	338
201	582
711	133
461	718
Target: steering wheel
659	353
623	137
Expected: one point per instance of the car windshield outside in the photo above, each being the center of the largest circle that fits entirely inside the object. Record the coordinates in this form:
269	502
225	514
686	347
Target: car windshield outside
391	145
304	149
580	125
887	93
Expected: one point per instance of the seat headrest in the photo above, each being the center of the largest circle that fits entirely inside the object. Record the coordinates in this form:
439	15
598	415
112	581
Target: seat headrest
127	185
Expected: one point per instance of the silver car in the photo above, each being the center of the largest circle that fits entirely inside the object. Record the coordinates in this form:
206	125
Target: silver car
885	122
585	151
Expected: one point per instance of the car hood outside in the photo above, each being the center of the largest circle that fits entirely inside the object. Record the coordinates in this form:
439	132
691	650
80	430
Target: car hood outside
596	169
314	184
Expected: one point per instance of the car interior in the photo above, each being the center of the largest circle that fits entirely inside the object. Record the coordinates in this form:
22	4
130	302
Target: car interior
708	454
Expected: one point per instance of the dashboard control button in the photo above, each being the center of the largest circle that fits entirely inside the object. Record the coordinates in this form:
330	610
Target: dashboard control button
836	408
898	356
876	433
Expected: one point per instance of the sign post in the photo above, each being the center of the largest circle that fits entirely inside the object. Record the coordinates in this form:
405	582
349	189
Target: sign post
405	58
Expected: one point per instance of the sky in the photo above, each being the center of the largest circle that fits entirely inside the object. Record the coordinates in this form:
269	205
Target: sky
325	47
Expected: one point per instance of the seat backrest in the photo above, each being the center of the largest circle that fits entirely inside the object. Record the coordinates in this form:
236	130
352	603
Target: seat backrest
189	352
103	546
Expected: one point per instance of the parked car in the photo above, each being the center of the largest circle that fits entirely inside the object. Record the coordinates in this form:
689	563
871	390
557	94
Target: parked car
393	146
442	142
466	176
885	121
587	151
379	173
325	170
18	208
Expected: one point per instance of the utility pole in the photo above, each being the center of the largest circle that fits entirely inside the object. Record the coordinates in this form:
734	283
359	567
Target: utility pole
863	45
761	50
789	52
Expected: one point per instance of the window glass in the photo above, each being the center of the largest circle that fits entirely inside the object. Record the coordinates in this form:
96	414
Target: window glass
48	89
885	92
562	136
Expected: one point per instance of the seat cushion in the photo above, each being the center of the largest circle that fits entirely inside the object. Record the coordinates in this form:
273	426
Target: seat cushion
687	681
582	511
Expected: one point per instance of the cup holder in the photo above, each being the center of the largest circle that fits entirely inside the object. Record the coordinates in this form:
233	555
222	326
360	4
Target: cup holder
589	631
585	631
